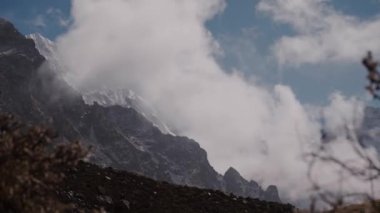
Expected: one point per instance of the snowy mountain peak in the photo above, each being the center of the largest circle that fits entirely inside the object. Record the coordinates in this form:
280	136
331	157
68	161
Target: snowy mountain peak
45	46
129	99
122	97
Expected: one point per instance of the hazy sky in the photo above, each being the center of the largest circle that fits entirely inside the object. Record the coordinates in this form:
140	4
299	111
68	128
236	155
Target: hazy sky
245	33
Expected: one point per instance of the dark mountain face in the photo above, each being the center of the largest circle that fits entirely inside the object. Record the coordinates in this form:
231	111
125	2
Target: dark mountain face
121	137
236	184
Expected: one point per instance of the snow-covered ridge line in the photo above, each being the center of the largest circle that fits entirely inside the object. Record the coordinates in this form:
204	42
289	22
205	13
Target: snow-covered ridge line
45	46
129	99
122	97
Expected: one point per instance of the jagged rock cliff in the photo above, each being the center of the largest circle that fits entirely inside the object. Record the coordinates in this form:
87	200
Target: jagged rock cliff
236	184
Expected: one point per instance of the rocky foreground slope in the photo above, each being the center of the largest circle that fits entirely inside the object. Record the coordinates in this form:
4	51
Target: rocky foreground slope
90	187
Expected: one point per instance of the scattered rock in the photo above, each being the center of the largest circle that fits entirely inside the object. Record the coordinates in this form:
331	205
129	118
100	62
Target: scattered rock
101	190
128	192
126	203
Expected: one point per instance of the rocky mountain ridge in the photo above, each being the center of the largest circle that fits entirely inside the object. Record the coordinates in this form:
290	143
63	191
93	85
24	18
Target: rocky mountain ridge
121	136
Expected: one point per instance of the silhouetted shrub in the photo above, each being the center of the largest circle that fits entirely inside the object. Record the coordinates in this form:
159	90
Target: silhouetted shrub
31	165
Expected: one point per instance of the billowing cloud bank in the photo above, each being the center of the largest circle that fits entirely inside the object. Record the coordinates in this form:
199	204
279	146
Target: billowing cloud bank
162	51
322	34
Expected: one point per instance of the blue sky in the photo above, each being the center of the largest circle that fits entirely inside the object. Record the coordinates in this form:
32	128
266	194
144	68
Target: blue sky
245	34
311	83
34	16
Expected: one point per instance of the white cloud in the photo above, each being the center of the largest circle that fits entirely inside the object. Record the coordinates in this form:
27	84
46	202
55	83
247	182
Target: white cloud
342	118
58	15
163	51
322	34
52	16
39	21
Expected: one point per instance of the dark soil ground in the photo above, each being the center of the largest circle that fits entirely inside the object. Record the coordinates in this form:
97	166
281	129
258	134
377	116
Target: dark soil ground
91	187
